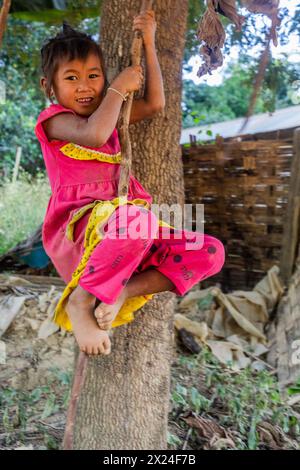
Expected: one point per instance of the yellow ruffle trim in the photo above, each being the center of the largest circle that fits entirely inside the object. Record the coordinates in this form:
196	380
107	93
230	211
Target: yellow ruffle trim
101	211
82	153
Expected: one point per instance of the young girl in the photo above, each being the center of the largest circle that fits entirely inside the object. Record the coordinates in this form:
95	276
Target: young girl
80	145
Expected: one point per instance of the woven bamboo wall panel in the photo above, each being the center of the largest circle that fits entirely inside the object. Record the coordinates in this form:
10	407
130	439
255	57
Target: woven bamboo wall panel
244	187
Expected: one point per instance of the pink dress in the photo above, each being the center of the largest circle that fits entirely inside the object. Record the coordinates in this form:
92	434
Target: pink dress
76	183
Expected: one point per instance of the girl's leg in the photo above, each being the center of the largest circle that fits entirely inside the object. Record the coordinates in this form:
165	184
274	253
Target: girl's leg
148	282
172	264
179	262
90	338
116	258
169	266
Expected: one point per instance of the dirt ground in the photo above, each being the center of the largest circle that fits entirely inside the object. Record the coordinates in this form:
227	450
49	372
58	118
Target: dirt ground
34	394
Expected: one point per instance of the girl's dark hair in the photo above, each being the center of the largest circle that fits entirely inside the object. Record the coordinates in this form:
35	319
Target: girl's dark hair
68	44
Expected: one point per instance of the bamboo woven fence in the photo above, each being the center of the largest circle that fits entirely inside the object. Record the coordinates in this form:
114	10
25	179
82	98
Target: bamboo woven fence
245	187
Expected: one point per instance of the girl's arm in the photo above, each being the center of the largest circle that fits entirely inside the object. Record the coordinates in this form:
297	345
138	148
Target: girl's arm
154	97
93	131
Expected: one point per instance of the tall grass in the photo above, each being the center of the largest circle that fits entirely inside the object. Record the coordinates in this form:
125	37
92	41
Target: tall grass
22	208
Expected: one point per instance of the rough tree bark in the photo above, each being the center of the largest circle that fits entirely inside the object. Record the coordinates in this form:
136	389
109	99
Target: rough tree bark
125	399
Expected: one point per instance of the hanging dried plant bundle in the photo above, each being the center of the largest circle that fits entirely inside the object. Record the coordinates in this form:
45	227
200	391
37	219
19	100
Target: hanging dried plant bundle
268	8
211	32
210	29
213	58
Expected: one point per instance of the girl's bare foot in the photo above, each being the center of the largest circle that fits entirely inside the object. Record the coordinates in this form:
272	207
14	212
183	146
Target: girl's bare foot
106	313
90	338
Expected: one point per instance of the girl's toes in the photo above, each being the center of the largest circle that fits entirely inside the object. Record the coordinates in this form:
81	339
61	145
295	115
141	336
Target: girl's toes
107	317
99	322
105	325
98	318
98	314
103	320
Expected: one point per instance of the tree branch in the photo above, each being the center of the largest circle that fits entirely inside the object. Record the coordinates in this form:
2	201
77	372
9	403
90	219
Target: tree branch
136	55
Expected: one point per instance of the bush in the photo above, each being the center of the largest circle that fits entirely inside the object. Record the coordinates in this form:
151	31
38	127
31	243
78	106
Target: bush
22	208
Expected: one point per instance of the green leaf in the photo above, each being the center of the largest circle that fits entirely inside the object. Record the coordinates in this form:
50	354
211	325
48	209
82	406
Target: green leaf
177	398
50	406
252	435
35	395
293	390
173	440
182	390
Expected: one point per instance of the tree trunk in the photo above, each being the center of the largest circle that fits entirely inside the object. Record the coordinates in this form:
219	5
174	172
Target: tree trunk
125	400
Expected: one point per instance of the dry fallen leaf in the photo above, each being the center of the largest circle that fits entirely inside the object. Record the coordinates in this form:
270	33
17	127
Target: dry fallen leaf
198	329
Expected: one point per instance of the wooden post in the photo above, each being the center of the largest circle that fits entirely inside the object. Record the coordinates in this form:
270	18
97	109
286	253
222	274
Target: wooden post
291	227
78	382
17	164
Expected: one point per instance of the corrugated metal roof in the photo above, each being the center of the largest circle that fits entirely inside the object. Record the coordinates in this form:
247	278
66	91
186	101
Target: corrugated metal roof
286	118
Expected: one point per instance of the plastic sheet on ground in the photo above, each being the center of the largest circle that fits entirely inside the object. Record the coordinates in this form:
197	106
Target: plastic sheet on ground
235	321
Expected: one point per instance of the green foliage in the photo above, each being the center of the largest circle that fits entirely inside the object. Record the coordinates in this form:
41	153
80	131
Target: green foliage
245	398
249	395
189	398
22	208
278	82
18	407
20	72
295	388
51	12
221	103
231	99
196	10
32	5
73	11
173	440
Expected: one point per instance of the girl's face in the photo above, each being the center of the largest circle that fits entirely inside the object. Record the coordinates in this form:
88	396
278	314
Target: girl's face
79	85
